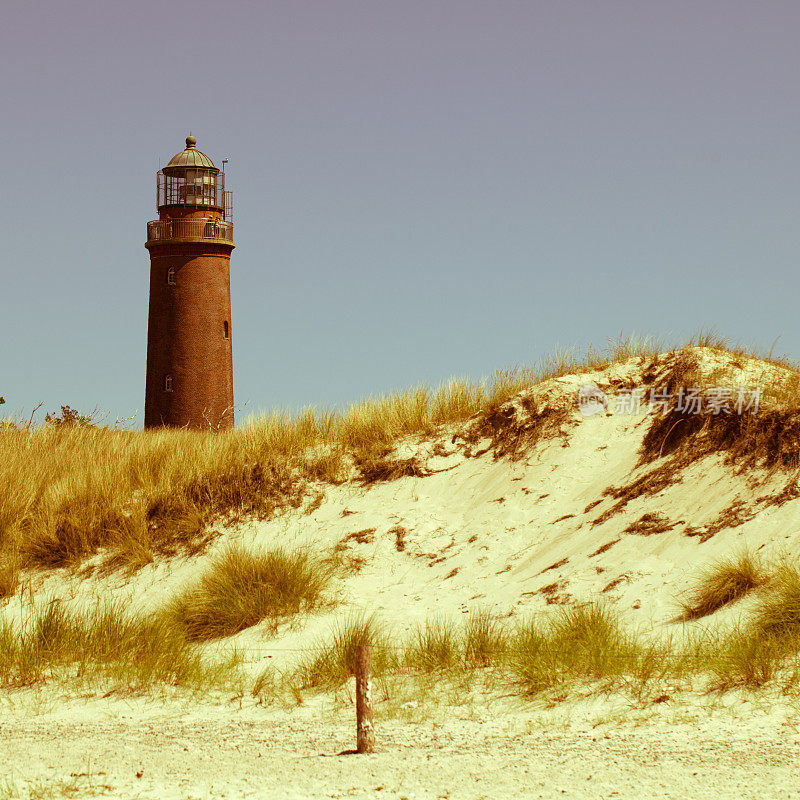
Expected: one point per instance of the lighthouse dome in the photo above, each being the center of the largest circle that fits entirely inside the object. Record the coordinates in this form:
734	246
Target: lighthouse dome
190	158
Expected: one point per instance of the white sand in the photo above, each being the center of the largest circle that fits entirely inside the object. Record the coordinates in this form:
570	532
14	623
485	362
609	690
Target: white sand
203	749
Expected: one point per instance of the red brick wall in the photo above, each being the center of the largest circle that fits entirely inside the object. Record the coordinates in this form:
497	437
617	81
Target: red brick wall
185	338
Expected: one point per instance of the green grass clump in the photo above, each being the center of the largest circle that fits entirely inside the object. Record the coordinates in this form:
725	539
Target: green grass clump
434	645
439	644
778	612
485	640
241	588
584	642
761	648
333	659
59	642
584	646
723	583
740	658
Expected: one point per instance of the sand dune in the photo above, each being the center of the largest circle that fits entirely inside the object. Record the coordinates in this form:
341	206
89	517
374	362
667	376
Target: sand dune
536	507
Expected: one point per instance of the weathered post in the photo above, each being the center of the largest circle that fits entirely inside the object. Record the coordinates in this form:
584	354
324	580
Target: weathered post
365	733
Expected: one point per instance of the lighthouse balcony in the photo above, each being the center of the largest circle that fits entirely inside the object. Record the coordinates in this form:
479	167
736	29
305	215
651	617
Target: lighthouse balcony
189	230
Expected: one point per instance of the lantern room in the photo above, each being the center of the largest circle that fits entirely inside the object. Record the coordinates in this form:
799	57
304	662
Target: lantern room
190	183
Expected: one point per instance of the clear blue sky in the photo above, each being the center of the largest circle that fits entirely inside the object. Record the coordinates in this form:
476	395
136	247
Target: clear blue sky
423	189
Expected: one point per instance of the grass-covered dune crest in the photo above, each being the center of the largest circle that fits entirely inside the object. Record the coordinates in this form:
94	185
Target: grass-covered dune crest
72	488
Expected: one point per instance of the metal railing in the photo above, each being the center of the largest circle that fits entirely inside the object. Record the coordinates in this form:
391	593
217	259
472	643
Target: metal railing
161	230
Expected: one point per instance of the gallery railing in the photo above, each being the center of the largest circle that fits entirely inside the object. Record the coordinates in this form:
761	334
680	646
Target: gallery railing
162	230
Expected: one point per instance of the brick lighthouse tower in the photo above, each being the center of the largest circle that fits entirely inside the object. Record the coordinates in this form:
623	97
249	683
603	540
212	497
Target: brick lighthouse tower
189	355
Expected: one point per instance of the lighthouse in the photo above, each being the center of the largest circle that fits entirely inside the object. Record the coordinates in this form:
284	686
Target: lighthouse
189	380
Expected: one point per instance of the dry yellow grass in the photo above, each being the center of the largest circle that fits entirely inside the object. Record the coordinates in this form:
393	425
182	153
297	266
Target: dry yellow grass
69	490
241	588
724	582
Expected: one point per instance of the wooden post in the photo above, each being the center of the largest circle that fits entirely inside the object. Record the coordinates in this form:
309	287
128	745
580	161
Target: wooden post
365	731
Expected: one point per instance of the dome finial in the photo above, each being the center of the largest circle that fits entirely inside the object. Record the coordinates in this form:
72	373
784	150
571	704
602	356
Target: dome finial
190	141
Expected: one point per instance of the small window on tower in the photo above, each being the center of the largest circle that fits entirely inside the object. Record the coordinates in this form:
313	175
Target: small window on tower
171	276
226	331
168	383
